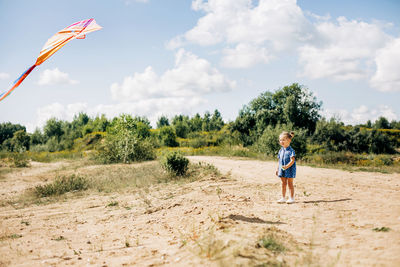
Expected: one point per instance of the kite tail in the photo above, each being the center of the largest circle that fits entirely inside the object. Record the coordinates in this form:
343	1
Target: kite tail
17	82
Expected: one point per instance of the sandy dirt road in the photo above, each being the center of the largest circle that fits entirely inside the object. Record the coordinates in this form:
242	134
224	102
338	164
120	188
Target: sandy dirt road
212	222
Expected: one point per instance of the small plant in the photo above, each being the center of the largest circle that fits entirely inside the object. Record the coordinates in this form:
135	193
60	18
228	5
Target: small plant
62	185
60	238
112	204
269	242
175	163
219	191
15	236
25	222
19	160
381	229
127	244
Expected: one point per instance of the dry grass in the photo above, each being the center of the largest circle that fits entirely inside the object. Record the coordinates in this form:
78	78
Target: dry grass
79	179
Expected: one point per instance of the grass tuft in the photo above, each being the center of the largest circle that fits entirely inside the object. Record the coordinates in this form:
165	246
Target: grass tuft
62	185
112	204
269	242
381	229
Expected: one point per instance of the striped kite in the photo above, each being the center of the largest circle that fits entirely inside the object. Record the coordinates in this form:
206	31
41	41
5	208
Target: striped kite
74	31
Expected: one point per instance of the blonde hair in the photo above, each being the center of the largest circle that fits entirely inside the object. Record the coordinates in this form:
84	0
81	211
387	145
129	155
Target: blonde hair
288	135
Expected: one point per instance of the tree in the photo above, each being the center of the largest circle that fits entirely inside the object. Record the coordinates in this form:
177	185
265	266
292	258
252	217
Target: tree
395	124
53	128
216	122
100	124
181	125
37	137
167	136
125	123
7	130
20	141
206	122
382	123
162	121
293	104
380	143
195	123
330	134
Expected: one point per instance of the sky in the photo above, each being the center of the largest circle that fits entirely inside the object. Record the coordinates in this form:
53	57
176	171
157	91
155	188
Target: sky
168	57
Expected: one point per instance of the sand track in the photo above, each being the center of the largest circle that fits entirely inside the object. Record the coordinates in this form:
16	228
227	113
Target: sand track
210	222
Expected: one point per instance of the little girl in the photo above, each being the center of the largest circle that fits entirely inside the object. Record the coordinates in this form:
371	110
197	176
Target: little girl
286	166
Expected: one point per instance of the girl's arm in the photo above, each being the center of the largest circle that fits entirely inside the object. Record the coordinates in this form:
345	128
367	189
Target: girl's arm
292	159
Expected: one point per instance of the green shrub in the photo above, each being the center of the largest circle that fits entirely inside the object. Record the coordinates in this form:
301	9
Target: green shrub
269	141
175	163
19	160
125	148
89	141
348	158
167	136
269	242
62	185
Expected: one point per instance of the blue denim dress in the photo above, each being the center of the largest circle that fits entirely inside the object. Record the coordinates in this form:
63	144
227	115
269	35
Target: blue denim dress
284	156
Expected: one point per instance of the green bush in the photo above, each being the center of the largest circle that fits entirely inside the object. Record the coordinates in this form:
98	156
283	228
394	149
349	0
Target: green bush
269	242
269	141
62	185
175	163
167	136
125	148
348	158
19	160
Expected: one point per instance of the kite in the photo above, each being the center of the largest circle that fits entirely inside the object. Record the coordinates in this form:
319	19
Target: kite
77	30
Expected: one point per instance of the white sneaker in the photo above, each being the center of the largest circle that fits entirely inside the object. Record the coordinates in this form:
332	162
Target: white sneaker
290	200
282	200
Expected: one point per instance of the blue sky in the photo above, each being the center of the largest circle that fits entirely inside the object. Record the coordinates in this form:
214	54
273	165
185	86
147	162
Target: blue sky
167	57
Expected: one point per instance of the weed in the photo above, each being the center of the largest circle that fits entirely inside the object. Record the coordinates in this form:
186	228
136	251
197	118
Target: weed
381	229
62	185
60	238
25	222
269	242
112	204
20	160
209	246
15	236
219	191
127	244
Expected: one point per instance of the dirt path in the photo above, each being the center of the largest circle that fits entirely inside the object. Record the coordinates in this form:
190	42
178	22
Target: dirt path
213	222
338	209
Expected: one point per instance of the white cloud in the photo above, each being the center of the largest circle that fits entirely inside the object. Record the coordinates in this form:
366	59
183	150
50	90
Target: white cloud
177	91
269	27
345	50
244	56
361	114
387	76
59	111
55	76
4	76
191	76
253	32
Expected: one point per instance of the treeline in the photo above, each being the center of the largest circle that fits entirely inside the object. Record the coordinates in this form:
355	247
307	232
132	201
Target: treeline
127	138
58	135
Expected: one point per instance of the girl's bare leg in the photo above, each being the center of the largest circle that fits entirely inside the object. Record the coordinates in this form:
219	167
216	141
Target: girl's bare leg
291	187
284	183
